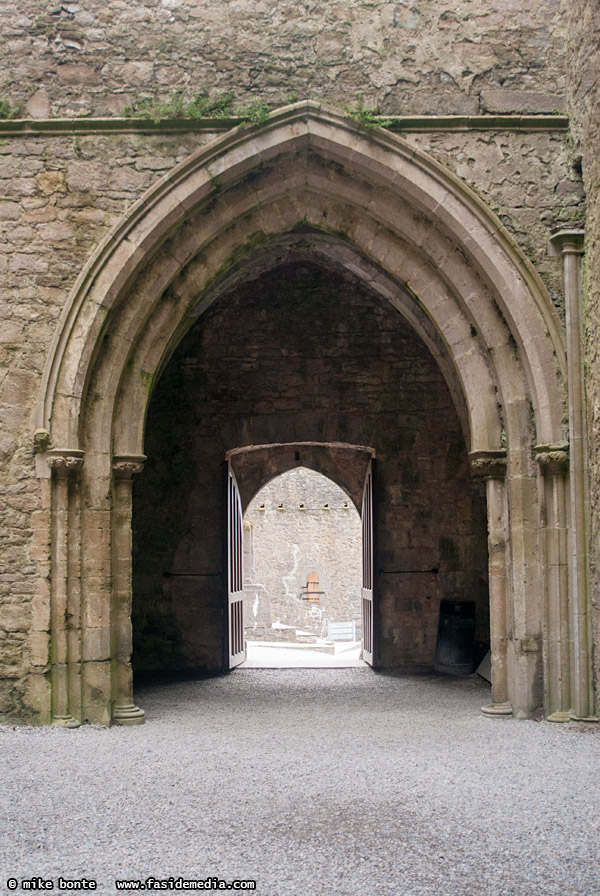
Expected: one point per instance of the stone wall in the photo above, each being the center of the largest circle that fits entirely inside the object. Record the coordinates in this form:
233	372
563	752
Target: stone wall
530	180
584	108
58	199
299	524
61	195
411	56
62	190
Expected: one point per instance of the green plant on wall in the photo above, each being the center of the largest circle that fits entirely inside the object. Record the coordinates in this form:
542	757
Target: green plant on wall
155	109
7	110
255	113
202	105
369	118
205	106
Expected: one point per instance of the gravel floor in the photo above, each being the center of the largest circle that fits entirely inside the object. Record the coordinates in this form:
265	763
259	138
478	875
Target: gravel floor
311	782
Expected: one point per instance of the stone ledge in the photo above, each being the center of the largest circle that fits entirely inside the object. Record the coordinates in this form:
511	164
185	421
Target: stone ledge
60	126
502	101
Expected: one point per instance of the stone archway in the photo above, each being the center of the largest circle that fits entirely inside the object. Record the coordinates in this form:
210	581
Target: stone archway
302	539
310	181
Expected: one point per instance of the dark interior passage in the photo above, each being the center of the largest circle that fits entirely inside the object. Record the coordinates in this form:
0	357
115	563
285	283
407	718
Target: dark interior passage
303	353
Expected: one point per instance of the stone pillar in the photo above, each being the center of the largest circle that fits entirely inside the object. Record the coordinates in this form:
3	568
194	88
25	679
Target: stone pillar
125	712
491	466
570	245
554	464
65	466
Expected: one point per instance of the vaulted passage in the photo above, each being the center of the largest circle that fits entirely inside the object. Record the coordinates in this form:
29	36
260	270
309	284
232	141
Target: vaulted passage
303	352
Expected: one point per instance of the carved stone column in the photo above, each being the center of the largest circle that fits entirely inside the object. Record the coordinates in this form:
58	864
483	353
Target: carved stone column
65	466
125	712
570	245
491	466
554	463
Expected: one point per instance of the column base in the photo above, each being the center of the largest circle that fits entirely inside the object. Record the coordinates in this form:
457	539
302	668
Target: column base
497	709
560	716
65	722
129	714
588	720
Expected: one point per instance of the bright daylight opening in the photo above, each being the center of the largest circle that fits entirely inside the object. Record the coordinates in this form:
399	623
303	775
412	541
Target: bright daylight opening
302	574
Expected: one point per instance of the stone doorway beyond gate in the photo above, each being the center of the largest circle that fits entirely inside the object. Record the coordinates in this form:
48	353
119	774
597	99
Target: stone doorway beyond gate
305	521
302	573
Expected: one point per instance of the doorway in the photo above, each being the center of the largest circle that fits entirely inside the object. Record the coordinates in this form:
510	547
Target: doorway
302	574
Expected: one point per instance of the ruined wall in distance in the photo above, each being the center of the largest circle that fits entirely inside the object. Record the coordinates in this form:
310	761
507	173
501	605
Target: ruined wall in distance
301	523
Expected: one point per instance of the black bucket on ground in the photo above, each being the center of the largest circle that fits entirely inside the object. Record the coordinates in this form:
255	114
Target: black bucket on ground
455	648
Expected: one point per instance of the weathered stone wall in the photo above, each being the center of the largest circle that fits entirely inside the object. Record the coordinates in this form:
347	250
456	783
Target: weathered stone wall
60	193
60	196
584	108
529	180
58	199
415	56
303	354
301	523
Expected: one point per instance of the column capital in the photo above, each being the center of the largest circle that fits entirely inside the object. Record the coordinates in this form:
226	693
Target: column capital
488	464
41	441
65	461
125	466
553	458
569	241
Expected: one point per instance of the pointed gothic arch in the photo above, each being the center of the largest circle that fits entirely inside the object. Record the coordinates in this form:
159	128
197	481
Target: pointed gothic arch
308	181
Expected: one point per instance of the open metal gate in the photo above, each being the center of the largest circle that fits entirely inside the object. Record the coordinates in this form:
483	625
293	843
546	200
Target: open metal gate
235	583
368	651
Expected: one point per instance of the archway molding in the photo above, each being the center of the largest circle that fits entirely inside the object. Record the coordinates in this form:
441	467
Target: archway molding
344	464
310	182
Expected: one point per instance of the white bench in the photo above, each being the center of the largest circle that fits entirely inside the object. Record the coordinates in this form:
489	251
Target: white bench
341	631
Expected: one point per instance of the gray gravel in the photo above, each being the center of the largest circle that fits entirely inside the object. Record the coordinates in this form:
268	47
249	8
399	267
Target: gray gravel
310	781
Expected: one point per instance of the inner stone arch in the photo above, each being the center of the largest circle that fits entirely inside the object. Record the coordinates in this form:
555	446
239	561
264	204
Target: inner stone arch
302	355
